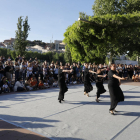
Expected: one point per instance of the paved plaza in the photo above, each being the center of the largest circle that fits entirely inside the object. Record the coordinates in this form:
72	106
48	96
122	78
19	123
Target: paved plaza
78	118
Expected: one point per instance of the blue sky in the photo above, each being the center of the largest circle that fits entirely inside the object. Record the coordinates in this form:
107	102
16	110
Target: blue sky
46	17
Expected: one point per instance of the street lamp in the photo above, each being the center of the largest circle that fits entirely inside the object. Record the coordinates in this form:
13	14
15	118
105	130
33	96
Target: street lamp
80	19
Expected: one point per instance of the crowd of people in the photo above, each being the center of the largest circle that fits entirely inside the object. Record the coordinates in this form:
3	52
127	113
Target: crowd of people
23	74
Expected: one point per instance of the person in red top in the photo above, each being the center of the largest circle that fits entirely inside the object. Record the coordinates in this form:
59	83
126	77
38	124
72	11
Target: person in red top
33	83
41	85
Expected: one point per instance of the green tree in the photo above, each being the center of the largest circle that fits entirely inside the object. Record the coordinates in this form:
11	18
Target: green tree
103	7
13	54
67	55
21	36
106	34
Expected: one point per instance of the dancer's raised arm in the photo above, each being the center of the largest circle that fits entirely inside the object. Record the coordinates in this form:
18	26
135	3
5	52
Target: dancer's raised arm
67	70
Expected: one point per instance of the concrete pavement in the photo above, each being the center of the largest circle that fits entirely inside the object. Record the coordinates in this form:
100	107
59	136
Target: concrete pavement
77	118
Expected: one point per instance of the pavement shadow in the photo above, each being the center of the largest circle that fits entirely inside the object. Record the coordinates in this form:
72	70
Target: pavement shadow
22	96
4	107
16	134
31	122
103	103
131	91
67	138
107	96
130	114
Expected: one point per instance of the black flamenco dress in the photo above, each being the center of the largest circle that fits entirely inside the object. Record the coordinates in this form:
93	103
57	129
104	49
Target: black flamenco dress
99	85
61	84
87	84
115	91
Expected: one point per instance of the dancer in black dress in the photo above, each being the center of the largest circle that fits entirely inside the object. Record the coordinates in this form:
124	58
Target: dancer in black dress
87	84
61	83
99	83
115	91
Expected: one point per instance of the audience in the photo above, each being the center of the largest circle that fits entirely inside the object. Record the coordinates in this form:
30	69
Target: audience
45	75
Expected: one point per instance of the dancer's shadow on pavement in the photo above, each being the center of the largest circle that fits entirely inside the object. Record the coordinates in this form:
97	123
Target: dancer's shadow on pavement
107	96
131	91
137	114
137	103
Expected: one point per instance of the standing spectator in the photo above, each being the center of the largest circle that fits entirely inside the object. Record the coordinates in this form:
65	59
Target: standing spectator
29	70
78	71
9	59
30	60
125	71
20	58
8	71
83	69
3	59
17	68
120	70
41	71
131	71
56	72
45	71
12	70
1	71
16	60
35	71
24	67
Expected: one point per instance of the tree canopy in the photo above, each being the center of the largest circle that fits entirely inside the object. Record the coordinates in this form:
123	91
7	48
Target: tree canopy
105	34
103	7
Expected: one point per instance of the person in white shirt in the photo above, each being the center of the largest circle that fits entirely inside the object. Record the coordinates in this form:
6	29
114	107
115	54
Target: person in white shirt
9	59
120	70
56	72
19	86
29	70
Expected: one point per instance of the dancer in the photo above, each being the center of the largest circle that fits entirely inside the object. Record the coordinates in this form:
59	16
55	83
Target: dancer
115	91
99	83
87	84
61	83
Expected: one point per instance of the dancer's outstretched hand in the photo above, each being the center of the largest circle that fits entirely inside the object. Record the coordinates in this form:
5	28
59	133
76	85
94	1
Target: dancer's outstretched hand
123	78
126	78
71	70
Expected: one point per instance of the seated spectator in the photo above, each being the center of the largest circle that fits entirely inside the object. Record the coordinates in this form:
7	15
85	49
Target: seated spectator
41	85
2	82
11	86
28	84
6	87
133	78
55	83
46	84
19	86
137	78
1	70
51	80
73	80
33	83
78	80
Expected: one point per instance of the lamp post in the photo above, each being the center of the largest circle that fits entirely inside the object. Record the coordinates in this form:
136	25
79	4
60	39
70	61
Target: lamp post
84	20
